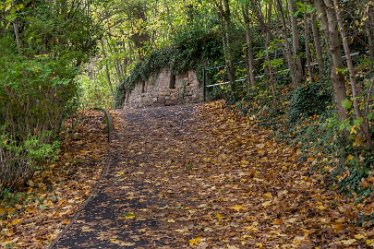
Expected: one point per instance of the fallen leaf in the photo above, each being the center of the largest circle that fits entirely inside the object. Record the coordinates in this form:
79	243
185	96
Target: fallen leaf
237	207
194	242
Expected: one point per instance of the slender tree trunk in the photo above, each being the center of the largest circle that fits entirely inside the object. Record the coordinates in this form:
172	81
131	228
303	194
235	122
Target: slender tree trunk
248	35
307	49
352	74
170	23
228	31
327	10
267	41
223	8
369	29
370	41
107	71
321	10
16	30
287	45
317	44
16	33
266	33
118	65
295	42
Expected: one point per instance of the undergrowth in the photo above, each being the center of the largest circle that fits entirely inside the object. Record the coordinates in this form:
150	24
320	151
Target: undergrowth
306	119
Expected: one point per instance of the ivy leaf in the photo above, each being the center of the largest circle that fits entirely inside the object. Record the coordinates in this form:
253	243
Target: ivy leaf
347	104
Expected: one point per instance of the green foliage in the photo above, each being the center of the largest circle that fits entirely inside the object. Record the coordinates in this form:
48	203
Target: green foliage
94	92
309	100
39	61
18	160
34	94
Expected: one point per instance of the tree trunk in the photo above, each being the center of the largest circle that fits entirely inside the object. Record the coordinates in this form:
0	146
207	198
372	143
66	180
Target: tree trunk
369	29
321	10
223	8
248	36
267	42
352	74
307	50
16	33
287	45
334	47
295	42
107	71
228	29
317	44
266	33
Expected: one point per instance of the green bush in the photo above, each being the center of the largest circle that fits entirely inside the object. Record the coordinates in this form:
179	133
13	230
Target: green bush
18	161
309	100
34	94
37	87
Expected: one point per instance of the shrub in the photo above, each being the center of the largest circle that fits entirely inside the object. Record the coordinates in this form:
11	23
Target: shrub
37	87
309	100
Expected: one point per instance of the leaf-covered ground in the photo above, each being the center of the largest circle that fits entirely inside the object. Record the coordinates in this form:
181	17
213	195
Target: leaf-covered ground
35	217
200	177
205	177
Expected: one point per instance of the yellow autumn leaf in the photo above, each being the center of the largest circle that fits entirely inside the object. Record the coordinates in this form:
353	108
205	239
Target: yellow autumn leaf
268	195
259	245
237	207
2	211
244	163
120	242
246	237
348	242
320	206
266	203
66	222
129	216
194	242
370	242
15	222
120	173
86	229
219	216
359	236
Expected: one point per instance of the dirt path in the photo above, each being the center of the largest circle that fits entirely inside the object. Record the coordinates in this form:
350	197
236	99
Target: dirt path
187	176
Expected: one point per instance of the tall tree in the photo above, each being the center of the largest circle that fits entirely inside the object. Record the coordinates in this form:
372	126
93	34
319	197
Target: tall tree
328	17
223	8
249	42
295	42
352	73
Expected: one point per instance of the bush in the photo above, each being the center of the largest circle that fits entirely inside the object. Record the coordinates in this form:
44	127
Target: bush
309	100
34	94
37	87
14	167
18	161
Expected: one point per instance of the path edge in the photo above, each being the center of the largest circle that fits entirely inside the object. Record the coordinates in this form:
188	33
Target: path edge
88	200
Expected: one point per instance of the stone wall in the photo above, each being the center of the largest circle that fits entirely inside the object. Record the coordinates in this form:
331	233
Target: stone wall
165	89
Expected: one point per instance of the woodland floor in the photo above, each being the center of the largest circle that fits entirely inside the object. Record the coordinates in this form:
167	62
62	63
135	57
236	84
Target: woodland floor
203	176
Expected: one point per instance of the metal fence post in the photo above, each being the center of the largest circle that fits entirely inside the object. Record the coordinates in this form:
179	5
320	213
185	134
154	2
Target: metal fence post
204	83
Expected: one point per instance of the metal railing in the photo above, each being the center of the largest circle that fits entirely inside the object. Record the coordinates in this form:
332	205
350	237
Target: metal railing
207	69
